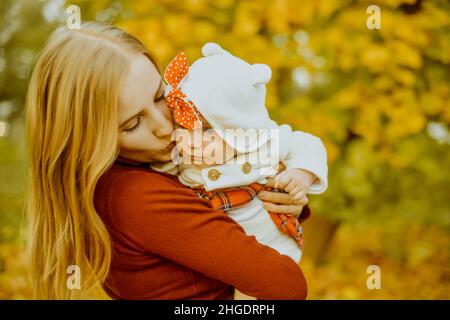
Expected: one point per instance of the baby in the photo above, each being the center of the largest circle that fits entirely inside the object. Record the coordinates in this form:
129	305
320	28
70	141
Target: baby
227	145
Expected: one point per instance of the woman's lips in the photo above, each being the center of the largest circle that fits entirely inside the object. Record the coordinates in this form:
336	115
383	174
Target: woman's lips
171	145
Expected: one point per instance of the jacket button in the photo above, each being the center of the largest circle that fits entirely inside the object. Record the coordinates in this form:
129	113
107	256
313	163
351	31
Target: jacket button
213	174
246	168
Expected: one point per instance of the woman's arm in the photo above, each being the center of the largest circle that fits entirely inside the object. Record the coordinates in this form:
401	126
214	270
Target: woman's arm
165	218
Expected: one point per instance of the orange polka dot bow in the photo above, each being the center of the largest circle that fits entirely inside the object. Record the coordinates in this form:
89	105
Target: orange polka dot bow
184	111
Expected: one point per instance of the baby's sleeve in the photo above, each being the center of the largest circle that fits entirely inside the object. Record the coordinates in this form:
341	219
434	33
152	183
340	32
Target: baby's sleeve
307	152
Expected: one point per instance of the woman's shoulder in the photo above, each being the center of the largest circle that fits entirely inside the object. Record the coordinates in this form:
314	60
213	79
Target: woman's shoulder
126	194
132	200
133	186
124	177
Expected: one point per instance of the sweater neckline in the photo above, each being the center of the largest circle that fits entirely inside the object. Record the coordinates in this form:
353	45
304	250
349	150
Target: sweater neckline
129	162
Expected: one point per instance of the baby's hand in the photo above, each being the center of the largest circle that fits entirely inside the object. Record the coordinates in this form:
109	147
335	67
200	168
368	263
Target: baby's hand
295	181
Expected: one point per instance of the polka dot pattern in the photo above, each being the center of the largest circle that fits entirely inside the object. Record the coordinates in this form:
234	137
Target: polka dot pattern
184	111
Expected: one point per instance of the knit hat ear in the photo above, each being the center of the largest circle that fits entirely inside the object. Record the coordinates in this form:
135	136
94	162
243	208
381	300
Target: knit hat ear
261	73
212	48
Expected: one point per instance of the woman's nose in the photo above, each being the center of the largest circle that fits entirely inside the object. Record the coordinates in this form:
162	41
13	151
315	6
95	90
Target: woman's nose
165	125
164	129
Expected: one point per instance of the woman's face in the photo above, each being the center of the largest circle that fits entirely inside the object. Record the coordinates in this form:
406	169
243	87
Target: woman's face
145	122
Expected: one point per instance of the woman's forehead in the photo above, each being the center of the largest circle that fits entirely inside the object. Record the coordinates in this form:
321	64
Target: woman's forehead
141	83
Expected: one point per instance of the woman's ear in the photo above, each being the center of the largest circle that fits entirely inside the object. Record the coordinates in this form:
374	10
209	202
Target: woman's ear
211	49
260	73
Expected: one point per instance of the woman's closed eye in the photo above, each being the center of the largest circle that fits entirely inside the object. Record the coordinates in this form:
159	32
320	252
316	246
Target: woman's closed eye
136	125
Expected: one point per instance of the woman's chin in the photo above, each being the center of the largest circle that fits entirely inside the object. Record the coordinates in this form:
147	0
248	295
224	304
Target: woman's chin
164	157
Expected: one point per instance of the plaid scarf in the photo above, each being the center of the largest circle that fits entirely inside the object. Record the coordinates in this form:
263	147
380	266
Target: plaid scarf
232	198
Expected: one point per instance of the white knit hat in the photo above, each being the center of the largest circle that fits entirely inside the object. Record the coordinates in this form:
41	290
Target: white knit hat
230	94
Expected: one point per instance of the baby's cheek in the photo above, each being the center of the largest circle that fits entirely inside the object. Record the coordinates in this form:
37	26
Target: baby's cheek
215	150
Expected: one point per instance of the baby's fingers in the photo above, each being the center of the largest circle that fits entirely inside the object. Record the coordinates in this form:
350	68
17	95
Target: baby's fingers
281	181
275	182
298	194
270	182
293	185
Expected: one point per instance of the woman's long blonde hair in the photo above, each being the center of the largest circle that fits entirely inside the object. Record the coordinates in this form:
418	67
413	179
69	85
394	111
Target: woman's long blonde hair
72	129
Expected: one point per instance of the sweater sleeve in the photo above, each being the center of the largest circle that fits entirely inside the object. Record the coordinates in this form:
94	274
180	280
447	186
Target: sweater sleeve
308	152
160	217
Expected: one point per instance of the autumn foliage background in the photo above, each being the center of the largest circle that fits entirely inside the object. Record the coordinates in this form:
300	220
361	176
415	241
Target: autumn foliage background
378	99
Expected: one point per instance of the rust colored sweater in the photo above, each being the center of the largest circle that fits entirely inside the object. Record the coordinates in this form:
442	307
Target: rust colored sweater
170	244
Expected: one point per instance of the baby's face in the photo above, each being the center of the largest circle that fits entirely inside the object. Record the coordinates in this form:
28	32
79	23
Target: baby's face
203	146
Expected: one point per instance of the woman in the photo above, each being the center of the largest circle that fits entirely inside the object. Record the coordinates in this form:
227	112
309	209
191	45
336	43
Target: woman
96	117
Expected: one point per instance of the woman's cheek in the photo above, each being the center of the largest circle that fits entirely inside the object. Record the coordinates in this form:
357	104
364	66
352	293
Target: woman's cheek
132	140
143	140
